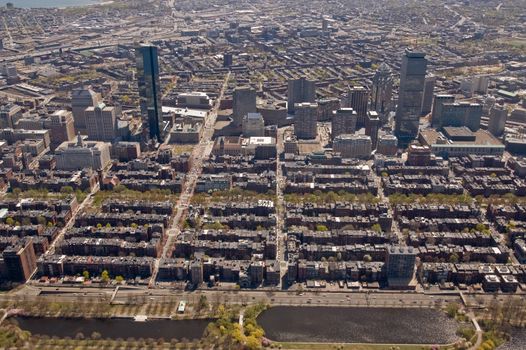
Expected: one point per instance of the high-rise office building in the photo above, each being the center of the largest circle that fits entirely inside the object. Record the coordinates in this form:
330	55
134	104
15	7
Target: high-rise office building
372	124
300	90
412	78
196	272
461	114
477	84
20	260
101	123
61	128
497	120
427	98
305	122
9	115
357	98
80	100
343	122
438	105
382	92
447	112
400	262
253	125
227	60
325	108
243	102
150	91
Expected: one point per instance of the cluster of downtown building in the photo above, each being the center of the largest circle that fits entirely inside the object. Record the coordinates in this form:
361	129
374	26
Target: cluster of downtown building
447	127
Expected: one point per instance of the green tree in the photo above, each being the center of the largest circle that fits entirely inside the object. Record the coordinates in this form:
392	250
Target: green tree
202	304
85	274
66	189
367	258
253	343
376	228
452	309
16	192
41	220
10	221
119	279
105	276
321	228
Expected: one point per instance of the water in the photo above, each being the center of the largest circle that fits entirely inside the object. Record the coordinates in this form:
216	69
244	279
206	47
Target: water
358	325
50	3
113	328
517	341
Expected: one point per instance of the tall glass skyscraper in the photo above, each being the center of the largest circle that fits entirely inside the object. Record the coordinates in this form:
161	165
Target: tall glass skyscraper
150	90
382	92
412	77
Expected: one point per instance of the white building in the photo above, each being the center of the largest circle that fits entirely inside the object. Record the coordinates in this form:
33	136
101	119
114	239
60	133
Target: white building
82	154
194	100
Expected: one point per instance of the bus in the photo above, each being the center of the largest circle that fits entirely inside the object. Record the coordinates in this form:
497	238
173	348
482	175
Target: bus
181	307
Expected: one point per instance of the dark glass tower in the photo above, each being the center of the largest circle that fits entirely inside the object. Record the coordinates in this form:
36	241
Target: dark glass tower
150	90
412	77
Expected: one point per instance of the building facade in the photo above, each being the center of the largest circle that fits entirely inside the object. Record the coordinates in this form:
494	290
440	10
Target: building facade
150	91
343	122
400	262
372	125
80	155
306	120
101	123
80	100
358	99
243	102
353	146
382	92
253	125
427	98
438	104
458	114
299	91
412	78
61	128
497	120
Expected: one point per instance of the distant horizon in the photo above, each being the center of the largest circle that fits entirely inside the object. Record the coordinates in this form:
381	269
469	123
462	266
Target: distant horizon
49	3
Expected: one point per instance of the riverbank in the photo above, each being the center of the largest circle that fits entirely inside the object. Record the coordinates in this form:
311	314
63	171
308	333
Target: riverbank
252	325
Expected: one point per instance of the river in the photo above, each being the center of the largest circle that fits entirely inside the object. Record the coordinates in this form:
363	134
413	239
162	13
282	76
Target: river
113	328
358	325
517	340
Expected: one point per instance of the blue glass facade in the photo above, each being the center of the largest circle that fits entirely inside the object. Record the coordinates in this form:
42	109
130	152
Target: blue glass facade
150	90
